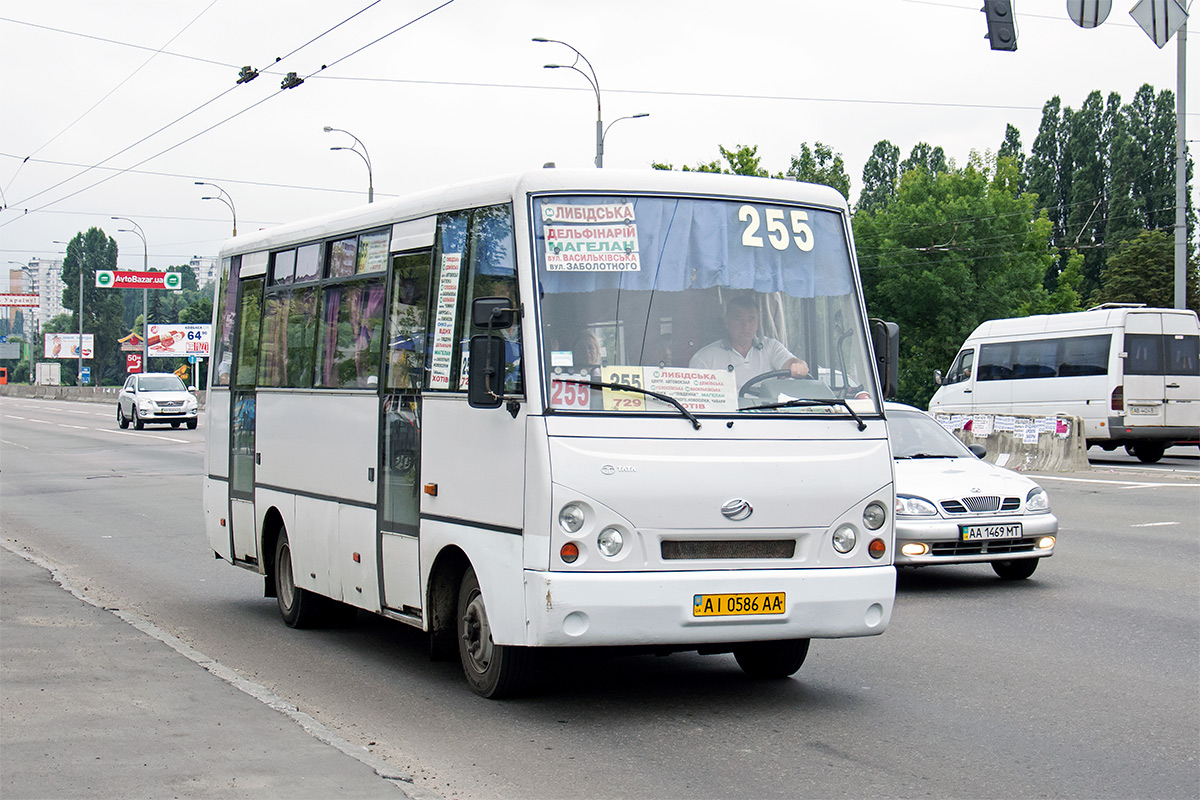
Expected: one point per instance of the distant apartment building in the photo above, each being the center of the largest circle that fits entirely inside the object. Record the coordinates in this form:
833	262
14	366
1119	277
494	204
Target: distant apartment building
205	268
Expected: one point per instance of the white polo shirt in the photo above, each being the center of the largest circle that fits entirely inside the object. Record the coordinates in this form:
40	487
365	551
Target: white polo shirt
765	355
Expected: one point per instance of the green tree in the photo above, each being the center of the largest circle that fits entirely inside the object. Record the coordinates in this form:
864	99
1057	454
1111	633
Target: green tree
1143	271
102	308
742	160
926	158
819	164
1011	148
955	248
880	177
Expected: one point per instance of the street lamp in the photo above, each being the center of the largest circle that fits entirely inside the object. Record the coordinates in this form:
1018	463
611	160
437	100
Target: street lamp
618	119
137	229
590	77
363	155
79	264
225	198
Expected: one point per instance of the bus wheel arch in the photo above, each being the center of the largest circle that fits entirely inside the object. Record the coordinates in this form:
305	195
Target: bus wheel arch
442	602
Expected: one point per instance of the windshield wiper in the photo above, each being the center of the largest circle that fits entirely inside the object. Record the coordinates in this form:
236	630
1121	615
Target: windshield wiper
666	398
929	455
803	402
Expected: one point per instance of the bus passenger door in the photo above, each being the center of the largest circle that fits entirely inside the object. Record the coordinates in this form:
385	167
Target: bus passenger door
400	433
242	424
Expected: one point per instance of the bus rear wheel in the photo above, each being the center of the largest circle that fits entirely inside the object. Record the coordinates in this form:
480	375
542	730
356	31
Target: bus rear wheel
299	608
492	670
771	660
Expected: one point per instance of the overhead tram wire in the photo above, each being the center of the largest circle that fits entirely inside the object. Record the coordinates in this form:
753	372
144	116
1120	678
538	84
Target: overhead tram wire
184	116
110	92
282	89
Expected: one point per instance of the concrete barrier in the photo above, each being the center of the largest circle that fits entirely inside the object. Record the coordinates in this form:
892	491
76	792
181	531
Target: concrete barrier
86	394
1020	442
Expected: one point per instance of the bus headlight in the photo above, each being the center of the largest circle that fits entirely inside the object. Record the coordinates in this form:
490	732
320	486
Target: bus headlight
610	541
874	515
571	518
844	538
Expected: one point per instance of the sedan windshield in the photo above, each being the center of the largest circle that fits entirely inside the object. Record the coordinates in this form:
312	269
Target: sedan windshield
917	435
160	383
722	305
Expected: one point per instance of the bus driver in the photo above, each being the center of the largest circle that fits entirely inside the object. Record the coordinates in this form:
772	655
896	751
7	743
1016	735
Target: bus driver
743	352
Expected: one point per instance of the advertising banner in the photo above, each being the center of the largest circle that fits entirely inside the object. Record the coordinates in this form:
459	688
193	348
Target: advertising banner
19	300
121	279
178	340
66	345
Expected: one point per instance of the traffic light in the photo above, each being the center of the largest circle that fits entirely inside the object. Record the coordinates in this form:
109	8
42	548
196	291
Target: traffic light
1002	25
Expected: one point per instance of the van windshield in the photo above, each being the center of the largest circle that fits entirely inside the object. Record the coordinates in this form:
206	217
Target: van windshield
722	305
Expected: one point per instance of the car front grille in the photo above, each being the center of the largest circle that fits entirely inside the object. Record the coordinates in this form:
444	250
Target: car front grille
977	504
982	548
679	549
170	403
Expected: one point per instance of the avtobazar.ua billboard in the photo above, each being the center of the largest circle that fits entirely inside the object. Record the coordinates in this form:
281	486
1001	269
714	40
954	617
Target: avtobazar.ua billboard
175	340
66	345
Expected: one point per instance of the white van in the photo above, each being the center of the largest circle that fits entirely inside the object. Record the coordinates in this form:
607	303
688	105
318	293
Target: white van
1131	373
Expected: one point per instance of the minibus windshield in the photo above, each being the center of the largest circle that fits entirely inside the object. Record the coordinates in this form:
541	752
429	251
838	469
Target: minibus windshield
723	306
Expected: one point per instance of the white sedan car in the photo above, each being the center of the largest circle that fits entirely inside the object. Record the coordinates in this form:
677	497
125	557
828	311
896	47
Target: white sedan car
954	508
156	397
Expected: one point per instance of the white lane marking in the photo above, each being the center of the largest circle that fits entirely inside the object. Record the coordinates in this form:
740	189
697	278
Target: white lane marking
1153	524
14	444
141	435
13	416
1123	484
74	427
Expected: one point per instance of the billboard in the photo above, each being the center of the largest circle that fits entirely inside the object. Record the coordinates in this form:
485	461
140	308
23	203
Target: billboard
121	279
66	345
175	340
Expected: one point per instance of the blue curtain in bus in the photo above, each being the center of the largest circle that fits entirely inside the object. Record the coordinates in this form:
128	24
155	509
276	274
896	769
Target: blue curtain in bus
697	244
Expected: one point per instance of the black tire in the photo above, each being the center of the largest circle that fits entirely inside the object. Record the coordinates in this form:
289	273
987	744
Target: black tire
174	424
1017	570
771	660
1148	452
137	421
191	423
492	670
122	420
299	608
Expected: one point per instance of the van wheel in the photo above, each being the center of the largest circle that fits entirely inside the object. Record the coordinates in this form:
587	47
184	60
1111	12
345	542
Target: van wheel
771	660
299	608
1017	570
492	670
1148	452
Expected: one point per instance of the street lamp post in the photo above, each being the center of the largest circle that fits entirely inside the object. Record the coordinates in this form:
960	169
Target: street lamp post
224	197
590	77
137	229
618	119
363	155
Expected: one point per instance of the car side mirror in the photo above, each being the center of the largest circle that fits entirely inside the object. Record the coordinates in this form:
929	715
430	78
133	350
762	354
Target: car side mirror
979	450
193	389
937	377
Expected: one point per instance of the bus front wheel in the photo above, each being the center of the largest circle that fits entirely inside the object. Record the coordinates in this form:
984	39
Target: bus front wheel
771	659
492	670
299	608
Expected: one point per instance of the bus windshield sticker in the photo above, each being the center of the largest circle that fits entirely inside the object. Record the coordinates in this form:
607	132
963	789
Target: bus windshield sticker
696	389
615	399
581	238
443	335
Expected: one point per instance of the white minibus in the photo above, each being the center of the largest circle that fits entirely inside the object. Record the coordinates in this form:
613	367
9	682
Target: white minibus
480	411
1131	373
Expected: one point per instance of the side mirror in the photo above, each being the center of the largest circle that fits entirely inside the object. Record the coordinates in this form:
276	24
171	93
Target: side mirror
193	389
885	338
485	378
979	450
937	377
492	313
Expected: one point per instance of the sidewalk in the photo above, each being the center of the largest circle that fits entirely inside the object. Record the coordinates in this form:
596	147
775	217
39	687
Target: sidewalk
91	706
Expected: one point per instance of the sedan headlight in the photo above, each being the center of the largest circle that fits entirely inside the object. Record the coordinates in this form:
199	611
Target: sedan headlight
907	506
1037	500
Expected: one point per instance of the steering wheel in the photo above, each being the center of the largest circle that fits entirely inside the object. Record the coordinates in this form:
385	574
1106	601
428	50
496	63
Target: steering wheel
766	376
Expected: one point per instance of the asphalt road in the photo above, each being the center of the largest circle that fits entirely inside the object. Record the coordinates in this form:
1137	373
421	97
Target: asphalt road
1083	681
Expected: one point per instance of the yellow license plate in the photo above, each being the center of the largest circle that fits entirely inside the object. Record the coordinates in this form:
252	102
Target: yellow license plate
724	605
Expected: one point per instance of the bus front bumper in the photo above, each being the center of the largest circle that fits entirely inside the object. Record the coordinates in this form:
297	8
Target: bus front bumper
659	608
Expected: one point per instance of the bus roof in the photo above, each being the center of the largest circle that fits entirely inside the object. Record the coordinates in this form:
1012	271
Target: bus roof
504	188
1093	319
